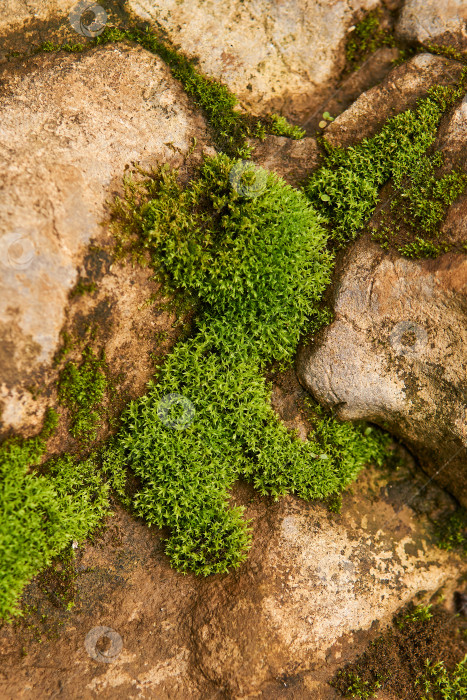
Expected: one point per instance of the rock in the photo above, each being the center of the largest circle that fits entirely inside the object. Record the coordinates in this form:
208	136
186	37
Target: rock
373	70
398	91
290	159
396	354
316	585
430	21
273	56
83	120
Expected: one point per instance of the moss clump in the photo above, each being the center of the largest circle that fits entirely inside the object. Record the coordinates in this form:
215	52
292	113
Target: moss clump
256	267
451	531
346	189
366	38
421	657
40	515
82	389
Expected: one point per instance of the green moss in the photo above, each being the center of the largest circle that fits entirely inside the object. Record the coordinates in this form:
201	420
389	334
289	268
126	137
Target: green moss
82	389
40	515
49	47
346	189
421	657
356	687
451	532
419	613
366	38
437	682
83	287
256	267
448	52
420	248
281	127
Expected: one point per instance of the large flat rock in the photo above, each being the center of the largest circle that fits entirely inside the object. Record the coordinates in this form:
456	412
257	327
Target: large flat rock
274	56
69	124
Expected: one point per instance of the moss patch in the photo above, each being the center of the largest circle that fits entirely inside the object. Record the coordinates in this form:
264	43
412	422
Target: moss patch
251	254
82	389
423	656
346	189
366	38
40	515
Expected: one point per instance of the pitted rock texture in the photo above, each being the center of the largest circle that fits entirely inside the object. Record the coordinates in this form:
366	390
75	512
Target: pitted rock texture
83	120
396	354
274	56
434	22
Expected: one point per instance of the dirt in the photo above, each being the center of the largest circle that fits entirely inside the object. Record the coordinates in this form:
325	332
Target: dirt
400	654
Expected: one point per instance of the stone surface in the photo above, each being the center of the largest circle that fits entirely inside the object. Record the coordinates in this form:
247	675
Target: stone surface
83	119
314	591
398	91
274	56
396	354
431	21
292	160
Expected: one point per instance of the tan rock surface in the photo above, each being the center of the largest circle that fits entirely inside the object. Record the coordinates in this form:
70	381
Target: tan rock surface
274	56
83	119
396	354
431	21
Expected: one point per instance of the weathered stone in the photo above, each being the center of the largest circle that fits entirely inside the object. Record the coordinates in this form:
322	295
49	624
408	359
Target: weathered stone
292	160
396	354
83	119
431	21
273	56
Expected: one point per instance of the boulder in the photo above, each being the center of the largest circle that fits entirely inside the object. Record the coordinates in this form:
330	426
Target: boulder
396	354
280	56
433	22
83	119
399	91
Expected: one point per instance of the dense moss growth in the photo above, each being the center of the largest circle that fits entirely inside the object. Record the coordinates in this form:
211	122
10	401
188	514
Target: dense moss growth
82	389
451	531
423	656
366	38
256	266
41	514
346	189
